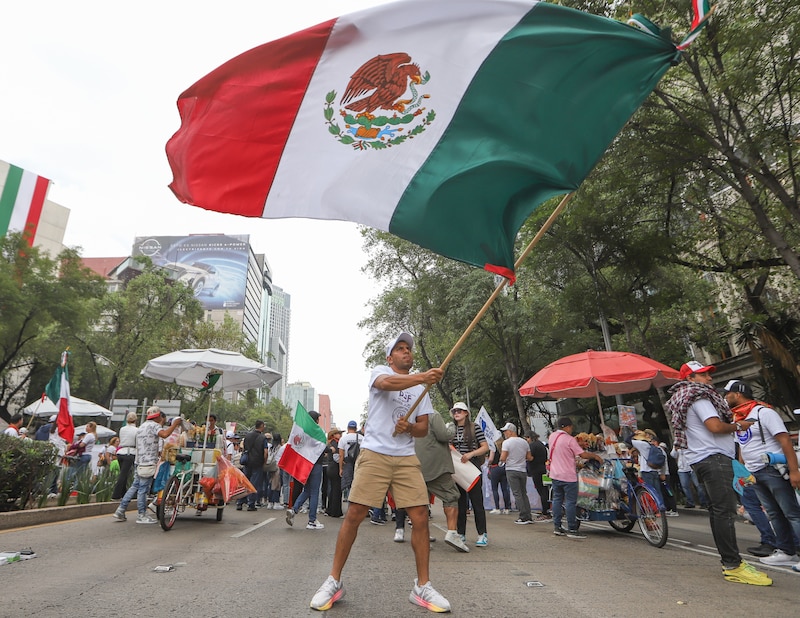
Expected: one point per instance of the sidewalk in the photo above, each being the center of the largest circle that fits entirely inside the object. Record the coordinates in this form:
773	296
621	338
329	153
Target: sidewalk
48	515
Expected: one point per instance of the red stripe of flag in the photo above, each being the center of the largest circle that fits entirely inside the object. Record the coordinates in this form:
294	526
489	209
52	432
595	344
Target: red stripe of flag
252	101
37	204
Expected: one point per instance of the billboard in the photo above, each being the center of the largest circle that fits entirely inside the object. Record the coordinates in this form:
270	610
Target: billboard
213	265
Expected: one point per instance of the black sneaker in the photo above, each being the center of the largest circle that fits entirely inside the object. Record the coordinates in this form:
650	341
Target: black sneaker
761	551
560	532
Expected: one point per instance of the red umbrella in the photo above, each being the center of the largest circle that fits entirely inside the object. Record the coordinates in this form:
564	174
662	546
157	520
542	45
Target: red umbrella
591	374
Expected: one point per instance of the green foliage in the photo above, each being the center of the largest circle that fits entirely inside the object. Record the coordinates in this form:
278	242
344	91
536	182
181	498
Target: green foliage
44	304
25	466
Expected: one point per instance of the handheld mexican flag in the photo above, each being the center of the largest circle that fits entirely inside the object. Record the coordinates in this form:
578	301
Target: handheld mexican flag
305	445
22	196
445	123
58	392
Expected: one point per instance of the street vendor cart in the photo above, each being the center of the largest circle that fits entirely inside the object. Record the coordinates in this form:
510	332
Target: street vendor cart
615	493
191	485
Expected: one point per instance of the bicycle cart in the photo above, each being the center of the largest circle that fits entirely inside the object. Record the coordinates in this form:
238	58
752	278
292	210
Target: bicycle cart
622	499
190	486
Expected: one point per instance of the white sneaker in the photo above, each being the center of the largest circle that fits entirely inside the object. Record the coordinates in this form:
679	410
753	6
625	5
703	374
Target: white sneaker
329	592
277	507
780	558
495	512
269	506
427	597
303	509
119	515
482	541
505	512
145	519
453	539
399	535
671	513
315	525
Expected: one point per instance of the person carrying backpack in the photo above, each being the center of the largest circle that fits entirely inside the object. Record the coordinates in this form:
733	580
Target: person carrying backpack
349	447
651	459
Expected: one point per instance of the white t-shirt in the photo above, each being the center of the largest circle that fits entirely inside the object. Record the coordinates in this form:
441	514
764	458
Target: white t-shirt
385	409
679	455
701	443
11	431
750	439
517	449
89	439
346	440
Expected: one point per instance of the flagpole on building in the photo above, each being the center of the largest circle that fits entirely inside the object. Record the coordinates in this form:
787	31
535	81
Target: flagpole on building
500	286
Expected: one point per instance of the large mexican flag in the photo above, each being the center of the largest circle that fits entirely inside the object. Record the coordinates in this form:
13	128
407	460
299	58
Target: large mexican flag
22	196
446	123
304	446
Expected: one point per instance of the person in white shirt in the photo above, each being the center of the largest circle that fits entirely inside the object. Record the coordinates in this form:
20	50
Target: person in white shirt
388	461
515	455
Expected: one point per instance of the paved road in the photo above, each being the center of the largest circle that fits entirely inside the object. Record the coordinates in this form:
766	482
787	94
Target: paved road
253	564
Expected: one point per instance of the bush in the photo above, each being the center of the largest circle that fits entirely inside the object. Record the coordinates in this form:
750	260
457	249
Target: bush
25	467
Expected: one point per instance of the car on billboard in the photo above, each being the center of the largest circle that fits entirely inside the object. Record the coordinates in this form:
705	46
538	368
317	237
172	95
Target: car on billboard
202	278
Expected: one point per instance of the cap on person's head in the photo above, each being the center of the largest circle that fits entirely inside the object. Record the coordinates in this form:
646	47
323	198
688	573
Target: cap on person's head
230	434
23	430
52	418
693	367
459	405
82	432
737	386
651	433
509	427
314	415
404	336
131	418
153	413
564	421
352	425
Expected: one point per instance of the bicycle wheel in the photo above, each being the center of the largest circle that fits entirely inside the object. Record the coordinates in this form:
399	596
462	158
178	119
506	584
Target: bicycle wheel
622	525
652	521
167	511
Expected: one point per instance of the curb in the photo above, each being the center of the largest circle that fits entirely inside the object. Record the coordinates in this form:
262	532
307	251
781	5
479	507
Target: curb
48	515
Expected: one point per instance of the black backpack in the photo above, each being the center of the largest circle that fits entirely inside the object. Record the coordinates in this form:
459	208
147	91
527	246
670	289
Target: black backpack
353	449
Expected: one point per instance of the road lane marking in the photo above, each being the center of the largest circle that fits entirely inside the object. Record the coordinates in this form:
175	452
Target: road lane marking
251	529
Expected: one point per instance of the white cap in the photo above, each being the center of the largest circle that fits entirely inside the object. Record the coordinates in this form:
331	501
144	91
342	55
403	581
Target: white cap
404	336
460	405
52	418
230	434
509	427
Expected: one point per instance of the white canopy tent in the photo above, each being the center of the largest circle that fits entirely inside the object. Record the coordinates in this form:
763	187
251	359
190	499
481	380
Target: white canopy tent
77	407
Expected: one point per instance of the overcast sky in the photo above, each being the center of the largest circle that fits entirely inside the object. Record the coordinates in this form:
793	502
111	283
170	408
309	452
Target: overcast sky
89	100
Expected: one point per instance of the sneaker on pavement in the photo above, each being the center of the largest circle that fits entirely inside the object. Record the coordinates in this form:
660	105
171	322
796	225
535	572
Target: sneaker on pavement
276	506
377	521
427	597
399	535
119	515
290	517
761	550
453	539
671	513
689	506
542	518
329	592
574	534
523	522
559	532
780	558
504	512
495	512
746	574
252	508
303	509
145	519
796	568
315	525
482	541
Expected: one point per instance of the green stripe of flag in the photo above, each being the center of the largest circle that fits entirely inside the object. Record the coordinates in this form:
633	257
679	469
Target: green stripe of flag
307	424
9	197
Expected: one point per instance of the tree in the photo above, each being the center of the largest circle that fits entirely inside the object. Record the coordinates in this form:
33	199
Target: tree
44	304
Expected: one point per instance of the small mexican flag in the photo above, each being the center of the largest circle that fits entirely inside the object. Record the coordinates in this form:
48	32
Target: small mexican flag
22	197
58	392
305	445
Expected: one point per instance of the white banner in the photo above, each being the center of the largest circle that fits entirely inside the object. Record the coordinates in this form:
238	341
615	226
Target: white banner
489	430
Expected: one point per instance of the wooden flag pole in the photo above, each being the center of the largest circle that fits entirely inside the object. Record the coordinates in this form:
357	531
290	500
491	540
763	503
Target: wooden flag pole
534	241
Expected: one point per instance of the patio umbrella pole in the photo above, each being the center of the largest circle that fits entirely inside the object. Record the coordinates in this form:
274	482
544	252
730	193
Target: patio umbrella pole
534	241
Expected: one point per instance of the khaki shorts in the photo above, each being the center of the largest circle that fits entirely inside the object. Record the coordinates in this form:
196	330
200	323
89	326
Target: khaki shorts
445	488
375	474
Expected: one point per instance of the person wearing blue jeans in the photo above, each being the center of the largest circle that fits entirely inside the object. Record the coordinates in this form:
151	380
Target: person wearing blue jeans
311	490
752	505
256	448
